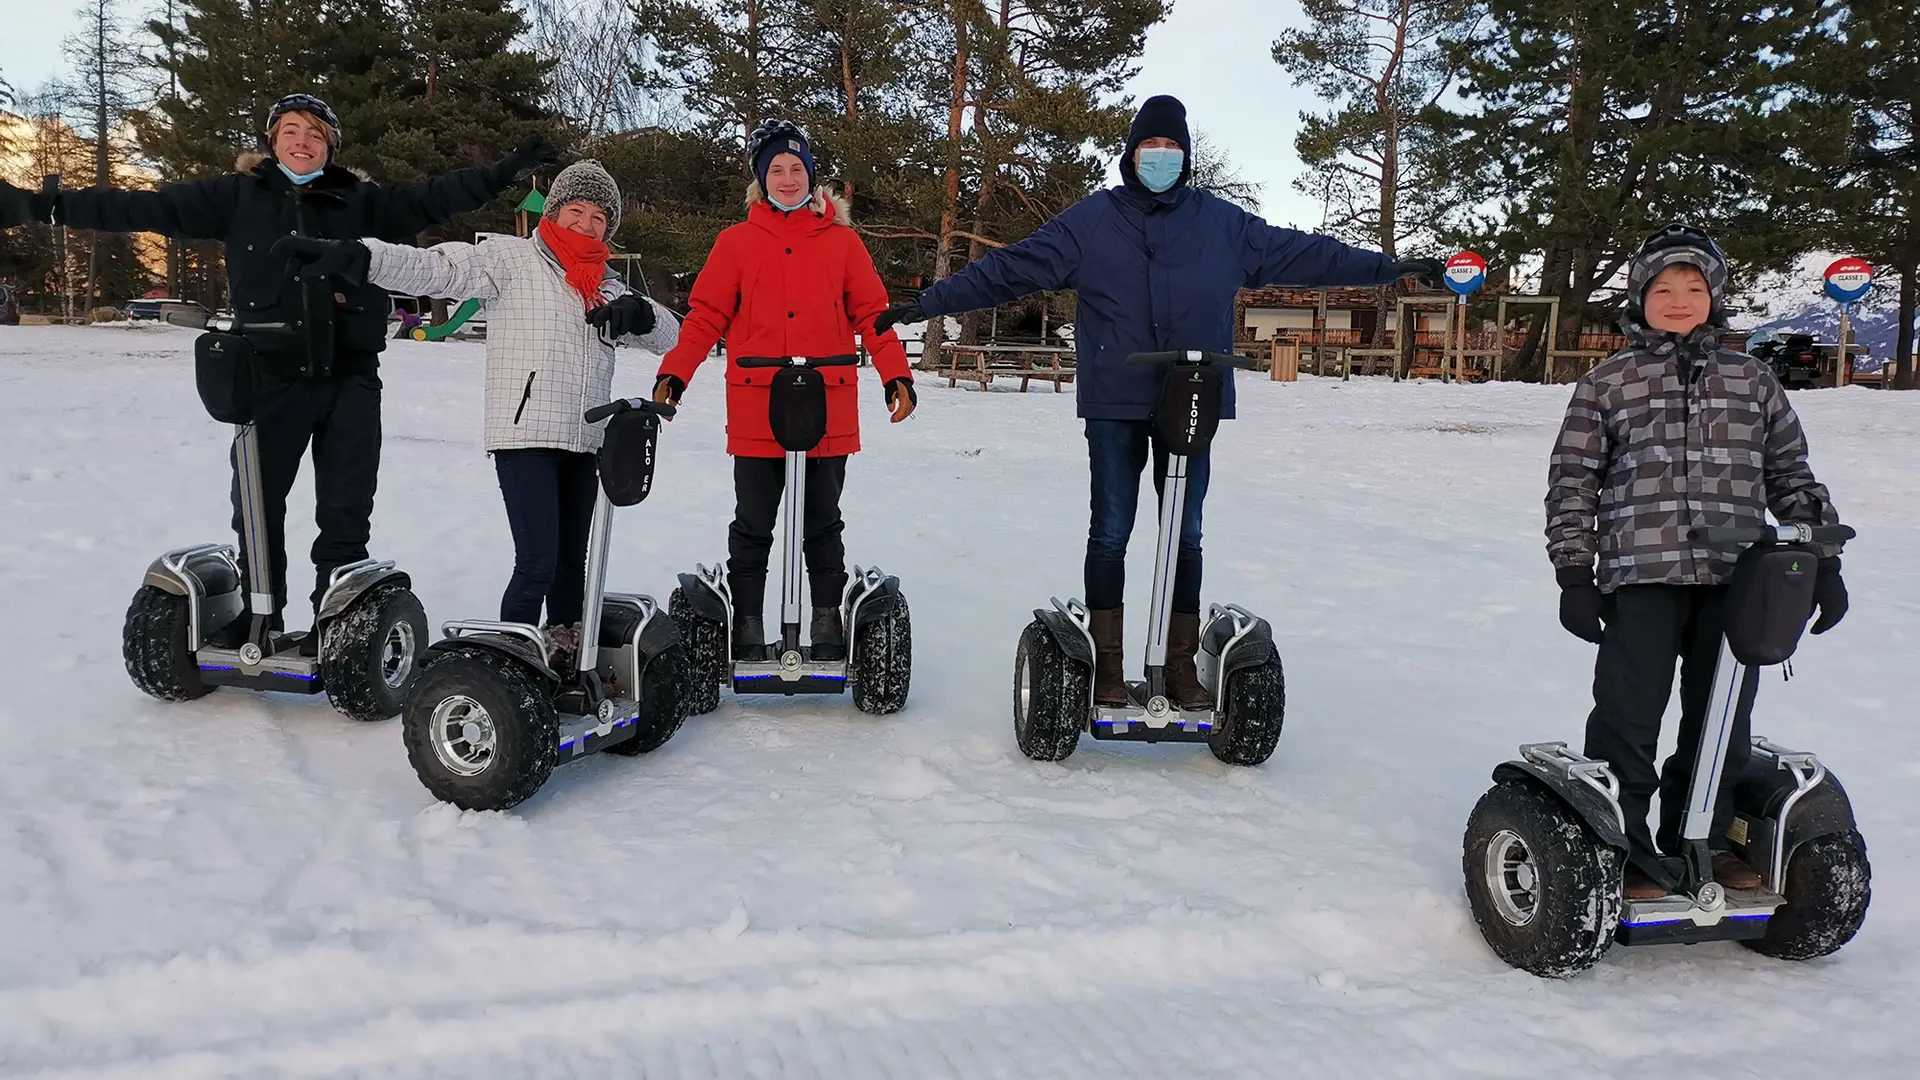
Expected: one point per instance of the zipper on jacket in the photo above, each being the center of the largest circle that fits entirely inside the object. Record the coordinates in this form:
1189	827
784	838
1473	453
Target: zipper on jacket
306	293
525	396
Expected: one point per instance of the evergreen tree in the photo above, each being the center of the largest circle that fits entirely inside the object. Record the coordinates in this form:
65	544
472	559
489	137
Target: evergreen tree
100	95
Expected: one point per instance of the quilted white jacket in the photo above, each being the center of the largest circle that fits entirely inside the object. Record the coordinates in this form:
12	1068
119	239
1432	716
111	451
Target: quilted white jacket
545	365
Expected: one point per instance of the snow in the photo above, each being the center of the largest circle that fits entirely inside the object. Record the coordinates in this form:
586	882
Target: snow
254	885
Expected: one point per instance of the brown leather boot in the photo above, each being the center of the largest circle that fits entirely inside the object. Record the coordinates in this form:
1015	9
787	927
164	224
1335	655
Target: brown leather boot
1109	656
1183	682
1732	871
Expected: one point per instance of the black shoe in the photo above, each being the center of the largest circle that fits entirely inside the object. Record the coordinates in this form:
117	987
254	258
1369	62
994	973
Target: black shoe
749	638
310	642
828	637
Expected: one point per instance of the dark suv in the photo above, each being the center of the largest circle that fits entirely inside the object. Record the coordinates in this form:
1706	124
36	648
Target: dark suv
156	309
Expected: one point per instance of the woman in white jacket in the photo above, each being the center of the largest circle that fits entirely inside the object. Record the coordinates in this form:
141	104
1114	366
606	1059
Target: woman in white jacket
554	313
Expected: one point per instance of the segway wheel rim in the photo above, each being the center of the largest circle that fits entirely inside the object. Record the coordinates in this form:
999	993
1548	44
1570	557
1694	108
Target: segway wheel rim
397	655
1513	881
463	735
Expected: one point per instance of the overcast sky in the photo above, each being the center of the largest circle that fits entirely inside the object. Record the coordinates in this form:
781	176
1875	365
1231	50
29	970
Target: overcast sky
1212	54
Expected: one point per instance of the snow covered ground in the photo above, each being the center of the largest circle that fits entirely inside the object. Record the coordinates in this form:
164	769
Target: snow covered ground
255	886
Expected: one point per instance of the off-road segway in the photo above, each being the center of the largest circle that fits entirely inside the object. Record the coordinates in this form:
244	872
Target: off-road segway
491	718
188	630
1546	847
878	666
1237	662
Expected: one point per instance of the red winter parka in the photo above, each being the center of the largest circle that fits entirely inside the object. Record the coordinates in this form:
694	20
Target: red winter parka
787	284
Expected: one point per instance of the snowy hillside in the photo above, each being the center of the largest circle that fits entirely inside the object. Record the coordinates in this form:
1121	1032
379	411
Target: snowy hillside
1795	303
254	886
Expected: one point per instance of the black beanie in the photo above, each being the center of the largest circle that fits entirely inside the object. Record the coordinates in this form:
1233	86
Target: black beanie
1164	117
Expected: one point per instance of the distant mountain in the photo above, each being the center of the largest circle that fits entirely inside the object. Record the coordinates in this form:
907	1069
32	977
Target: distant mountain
1796	303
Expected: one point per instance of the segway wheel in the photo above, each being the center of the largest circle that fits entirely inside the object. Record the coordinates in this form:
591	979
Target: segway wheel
882	670
1544	889
370	653
665	686
1051	695
1828	886
480	730
153	642
706	644
1253	713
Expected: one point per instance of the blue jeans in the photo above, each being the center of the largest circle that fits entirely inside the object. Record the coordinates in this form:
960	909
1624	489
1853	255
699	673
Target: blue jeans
549	495
1117	452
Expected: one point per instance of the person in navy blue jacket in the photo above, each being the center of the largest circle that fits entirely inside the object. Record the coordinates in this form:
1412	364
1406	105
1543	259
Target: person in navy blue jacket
1156	265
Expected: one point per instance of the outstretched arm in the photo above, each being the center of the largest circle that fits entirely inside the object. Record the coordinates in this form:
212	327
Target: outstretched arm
1278	256
450	271
193	210
1044	262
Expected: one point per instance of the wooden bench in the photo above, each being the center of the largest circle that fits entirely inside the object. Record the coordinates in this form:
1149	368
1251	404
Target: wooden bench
984	363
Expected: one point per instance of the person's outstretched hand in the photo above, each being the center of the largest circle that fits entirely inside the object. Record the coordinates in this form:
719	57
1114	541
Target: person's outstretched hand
899	315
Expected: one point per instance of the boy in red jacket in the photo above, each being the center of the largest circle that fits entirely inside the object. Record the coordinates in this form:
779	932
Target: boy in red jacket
794	279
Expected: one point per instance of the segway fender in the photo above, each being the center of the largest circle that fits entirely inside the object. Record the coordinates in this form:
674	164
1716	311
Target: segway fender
213	574
1823	811
1592	807
514	648
871	604
1253	647
351	583
706	603
1071	639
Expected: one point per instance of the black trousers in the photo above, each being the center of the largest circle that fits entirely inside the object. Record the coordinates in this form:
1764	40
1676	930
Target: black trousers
340	417
550	496
758	484
1650	627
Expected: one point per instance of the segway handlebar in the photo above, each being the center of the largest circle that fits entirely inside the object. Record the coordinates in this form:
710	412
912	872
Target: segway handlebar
621	405
1716	536
223	324
844	360
1193	356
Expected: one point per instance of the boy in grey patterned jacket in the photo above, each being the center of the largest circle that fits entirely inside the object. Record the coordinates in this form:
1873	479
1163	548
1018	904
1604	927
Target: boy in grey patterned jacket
1673	433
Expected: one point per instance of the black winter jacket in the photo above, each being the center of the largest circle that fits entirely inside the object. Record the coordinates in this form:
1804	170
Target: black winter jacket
340	327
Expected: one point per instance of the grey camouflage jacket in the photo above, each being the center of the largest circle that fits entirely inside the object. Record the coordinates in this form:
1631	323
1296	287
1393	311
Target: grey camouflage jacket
1669	435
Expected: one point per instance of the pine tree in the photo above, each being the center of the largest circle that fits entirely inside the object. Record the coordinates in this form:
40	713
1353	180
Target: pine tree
100	92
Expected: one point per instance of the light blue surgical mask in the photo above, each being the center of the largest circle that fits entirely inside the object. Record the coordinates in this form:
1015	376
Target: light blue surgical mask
1159	166
299	179
789	209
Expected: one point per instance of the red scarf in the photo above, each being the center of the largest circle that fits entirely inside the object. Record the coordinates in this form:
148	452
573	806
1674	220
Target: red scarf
582	257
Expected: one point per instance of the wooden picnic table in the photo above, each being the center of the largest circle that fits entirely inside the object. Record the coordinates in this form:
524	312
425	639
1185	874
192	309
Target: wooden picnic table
982	363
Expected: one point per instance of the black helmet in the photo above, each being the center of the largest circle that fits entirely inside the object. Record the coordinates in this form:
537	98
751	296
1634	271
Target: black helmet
1677	245
305	103
770	130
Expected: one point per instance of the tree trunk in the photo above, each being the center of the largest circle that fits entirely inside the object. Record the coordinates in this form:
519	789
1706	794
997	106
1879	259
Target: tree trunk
849	89
1902	376
950	200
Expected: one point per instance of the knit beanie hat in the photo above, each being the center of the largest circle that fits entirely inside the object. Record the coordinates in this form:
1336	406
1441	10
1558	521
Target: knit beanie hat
588	182
787	143
1161	117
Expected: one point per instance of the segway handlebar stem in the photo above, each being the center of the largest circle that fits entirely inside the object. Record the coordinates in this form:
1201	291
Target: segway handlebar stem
1193	356
1716	536
622	405
843	360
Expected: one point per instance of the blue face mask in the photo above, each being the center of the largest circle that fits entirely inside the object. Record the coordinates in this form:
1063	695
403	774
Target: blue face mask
1159	167
790	209
299	179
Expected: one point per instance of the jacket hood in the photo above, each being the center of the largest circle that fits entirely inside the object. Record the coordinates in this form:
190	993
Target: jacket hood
825	202
249	163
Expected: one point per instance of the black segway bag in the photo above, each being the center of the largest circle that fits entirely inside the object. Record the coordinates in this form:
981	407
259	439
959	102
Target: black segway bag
1769	602
223	373
797	408
1188	414
626	458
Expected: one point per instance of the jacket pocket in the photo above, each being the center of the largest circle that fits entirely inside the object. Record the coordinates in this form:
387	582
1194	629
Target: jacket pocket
525	396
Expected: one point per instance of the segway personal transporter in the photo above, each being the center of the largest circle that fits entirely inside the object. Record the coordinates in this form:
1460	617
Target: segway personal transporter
1238	661
1545	848
491	718
878	666
188	630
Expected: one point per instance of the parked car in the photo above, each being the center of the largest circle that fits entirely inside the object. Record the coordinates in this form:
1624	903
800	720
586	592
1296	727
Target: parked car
9	307
156	309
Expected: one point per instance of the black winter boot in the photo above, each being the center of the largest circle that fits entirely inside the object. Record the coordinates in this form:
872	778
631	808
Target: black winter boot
749	638
1109	656
828	636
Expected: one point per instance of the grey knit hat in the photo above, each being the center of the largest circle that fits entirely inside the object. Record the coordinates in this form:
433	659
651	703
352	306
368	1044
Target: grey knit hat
586	181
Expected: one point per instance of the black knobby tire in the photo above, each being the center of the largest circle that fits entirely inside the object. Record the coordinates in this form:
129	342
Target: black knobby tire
1829	884
1254	712
519	711
665	687
1569	920
1051	692
882	670
706	645
153	642
371	653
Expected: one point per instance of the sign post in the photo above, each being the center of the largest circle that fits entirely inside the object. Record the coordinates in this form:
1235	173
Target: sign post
1847	280
1466	272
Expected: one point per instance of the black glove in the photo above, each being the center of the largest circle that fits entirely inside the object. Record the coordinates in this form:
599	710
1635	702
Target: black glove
534	152
1428	272
1580	603
899	315
673	388
1829	595
343	259
17	206
626	315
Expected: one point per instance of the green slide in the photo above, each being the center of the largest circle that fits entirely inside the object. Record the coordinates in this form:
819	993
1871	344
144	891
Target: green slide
458	319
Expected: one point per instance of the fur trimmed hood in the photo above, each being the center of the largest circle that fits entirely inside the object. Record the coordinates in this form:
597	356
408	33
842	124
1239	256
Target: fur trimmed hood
250	161
822	198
